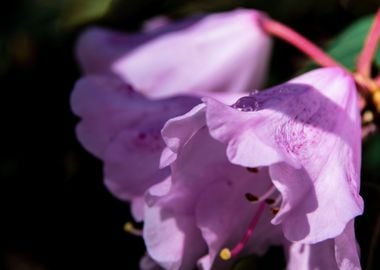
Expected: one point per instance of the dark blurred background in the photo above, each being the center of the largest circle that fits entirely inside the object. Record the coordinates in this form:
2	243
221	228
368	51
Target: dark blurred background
55	211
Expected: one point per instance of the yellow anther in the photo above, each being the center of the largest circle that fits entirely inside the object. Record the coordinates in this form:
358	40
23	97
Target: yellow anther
367	117
252	170
225	254
129	228
275	210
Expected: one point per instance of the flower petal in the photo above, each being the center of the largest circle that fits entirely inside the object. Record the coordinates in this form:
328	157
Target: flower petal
338	253
318	256
162	62
347	249
175	210
308	132
179	130
171	237
203	172
122	128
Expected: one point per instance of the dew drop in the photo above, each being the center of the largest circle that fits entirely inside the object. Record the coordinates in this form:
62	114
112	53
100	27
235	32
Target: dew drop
246	104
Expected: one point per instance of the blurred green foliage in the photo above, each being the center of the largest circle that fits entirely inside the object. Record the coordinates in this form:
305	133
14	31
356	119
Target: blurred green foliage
347	45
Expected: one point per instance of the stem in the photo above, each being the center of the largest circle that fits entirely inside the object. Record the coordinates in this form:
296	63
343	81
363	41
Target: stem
287	34
377	79
366	56
368	85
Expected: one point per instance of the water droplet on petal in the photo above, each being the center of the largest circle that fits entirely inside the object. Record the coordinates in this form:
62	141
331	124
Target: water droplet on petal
246	104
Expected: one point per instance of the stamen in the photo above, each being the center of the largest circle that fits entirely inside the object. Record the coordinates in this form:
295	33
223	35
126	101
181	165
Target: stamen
253	170
130	228
255	199
275	210
225	253
250	197
368	117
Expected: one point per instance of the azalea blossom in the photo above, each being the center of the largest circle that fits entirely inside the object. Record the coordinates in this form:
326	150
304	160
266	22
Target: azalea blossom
121	125
302	139
223	52
202	207
122	128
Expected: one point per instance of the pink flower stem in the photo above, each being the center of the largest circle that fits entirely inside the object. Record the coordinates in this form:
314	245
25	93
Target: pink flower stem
239	247
367	54
287	34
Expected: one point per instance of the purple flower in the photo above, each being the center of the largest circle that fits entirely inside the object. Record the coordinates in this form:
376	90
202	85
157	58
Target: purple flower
308	132
200	56
122	128
303	140
202	207
225	52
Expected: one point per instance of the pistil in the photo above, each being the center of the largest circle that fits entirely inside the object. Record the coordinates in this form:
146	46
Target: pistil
226	253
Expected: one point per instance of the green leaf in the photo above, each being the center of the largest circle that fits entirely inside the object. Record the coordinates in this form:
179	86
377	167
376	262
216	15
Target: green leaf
346	47
80	12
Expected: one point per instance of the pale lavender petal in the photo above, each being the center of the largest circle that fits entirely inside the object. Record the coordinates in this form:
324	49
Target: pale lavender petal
137	208
179	130
115	45
312	203
122	128
318	256
157	191
162	62
100	100
233	44
308	132
337	253
236	128
131	160
347	249
171	237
